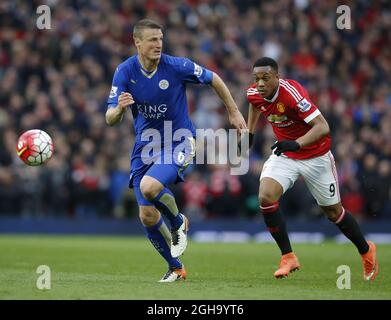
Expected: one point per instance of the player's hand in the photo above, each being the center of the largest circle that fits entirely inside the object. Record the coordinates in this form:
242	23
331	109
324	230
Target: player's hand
124	100
285	145
246	135
236	119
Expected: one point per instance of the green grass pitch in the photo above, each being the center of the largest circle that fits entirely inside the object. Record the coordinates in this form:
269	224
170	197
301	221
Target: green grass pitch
128	268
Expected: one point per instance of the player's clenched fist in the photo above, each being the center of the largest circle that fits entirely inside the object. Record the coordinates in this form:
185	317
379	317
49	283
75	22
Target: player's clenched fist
124	100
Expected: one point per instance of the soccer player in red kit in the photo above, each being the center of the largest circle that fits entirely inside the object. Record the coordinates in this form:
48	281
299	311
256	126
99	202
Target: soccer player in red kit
302	149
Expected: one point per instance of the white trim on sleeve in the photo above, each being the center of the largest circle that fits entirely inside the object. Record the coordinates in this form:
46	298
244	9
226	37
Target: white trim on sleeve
312	116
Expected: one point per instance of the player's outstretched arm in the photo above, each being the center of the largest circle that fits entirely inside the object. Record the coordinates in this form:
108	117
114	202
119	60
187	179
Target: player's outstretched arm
235	117
115	115
253	116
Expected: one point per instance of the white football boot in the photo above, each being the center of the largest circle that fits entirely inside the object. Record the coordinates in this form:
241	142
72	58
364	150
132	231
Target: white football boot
179	238
173	275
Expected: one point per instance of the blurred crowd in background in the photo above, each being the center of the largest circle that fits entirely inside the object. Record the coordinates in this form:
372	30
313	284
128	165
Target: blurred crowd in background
58	80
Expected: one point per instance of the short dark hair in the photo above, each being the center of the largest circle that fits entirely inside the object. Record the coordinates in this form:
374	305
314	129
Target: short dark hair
144	24
266	61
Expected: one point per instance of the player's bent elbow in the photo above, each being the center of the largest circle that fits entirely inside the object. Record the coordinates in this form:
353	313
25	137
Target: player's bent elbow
326	129
109	120
323	128
109	123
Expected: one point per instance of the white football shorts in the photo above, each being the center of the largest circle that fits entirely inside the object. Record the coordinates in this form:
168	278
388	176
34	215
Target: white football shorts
320	175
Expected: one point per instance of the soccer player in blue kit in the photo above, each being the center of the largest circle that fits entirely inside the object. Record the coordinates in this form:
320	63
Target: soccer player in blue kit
153	85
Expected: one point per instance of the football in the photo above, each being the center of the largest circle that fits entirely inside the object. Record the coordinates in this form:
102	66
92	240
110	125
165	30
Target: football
35	147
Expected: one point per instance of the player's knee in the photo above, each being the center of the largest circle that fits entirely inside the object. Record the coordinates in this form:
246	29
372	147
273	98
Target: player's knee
267	197
333	212
149	216
149	188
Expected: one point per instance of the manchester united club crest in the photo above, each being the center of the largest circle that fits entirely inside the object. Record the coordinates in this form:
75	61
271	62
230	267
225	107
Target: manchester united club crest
280	107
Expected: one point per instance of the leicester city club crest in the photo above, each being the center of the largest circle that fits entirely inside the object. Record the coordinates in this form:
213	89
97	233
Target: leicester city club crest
163	84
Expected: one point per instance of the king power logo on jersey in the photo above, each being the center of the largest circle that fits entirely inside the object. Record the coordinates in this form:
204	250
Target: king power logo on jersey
154	111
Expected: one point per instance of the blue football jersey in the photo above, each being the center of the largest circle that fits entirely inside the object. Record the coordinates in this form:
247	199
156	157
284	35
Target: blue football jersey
159	96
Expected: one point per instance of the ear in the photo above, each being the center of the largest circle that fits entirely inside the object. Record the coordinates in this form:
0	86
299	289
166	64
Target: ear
136	41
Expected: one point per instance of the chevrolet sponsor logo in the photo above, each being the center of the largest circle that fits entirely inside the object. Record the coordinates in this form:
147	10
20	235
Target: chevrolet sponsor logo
277	118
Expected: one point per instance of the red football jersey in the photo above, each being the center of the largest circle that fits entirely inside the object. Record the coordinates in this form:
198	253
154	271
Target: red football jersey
289	112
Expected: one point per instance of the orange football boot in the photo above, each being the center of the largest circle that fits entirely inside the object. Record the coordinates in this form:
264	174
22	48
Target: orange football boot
369	263
174	274
288	263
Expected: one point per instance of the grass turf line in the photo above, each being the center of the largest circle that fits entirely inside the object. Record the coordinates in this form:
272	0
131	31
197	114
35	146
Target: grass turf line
128	268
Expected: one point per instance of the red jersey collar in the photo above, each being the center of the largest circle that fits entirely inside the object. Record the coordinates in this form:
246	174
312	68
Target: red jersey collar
275	95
